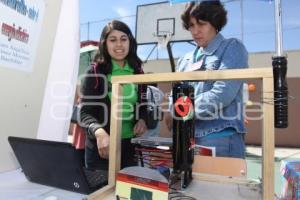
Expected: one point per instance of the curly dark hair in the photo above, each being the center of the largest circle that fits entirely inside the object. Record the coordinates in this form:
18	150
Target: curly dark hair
102	57
211	11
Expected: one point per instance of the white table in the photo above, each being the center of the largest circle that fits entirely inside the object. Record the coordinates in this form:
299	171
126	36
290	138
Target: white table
204	186
15	186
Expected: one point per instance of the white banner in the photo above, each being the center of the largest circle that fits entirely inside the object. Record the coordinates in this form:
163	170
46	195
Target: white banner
62	76
20	22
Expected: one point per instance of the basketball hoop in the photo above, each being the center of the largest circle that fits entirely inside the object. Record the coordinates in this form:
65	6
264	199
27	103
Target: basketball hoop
163	39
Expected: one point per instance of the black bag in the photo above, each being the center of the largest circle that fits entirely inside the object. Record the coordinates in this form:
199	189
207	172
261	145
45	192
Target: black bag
153	112
75	114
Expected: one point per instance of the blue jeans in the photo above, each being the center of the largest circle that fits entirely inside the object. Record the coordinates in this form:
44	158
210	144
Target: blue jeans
229	146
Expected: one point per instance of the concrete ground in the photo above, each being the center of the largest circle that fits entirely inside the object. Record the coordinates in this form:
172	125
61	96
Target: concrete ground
253	158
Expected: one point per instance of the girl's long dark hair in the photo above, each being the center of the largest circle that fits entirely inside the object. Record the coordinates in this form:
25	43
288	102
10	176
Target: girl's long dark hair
102	57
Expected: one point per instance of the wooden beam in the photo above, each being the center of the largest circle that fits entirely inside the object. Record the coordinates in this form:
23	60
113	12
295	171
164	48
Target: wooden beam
223	179
195	76
268	139
235	167
115	133
266	74
102	193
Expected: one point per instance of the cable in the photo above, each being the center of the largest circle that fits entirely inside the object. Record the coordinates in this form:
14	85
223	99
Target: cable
273	101
106	19
179	196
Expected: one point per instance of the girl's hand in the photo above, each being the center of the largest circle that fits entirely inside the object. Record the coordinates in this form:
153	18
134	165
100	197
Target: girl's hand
102	143
140	128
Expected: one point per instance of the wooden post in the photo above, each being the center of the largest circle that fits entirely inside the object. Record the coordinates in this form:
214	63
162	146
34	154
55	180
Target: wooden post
114	144
115	133
266	74
268	139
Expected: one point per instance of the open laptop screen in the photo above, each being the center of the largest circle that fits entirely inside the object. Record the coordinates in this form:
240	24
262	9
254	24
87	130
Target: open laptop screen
51	163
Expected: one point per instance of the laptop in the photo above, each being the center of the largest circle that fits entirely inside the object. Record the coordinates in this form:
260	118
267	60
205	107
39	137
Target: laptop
56	164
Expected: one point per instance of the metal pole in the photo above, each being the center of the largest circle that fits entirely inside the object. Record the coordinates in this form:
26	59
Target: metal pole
242	20
155	46
279	62
278	22
88	31
171	58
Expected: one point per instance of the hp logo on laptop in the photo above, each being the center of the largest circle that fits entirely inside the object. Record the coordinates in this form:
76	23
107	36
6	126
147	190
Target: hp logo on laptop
76	185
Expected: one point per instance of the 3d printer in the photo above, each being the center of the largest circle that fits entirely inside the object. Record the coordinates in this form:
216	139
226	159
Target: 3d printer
183	132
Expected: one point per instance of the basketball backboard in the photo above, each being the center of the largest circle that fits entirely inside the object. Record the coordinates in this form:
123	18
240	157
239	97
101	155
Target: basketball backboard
158	20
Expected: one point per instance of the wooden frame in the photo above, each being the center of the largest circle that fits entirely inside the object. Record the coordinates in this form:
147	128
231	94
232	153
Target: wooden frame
265	74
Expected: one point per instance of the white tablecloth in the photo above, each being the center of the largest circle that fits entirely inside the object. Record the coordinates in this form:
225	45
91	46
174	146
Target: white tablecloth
14	186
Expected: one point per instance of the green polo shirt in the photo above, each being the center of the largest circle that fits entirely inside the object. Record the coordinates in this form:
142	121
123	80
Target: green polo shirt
129	98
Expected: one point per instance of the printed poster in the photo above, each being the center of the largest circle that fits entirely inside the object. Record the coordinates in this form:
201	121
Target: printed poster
20	22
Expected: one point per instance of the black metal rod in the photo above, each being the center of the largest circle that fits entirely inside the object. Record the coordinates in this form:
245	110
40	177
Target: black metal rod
171	58
150	53
280	91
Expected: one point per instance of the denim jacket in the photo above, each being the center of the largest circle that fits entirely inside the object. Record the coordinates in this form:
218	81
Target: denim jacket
218	104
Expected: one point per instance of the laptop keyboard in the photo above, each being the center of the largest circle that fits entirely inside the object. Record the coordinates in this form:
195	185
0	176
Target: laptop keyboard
96	178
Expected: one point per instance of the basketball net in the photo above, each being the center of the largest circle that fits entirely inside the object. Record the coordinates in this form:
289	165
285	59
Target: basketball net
163	40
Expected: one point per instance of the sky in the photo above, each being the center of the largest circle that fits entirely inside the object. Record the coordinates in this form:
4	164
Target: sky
258	24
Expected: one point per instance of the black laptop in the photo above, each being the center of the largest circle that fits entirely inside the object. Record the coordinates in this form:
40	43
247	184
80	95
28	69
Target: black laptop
56	164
